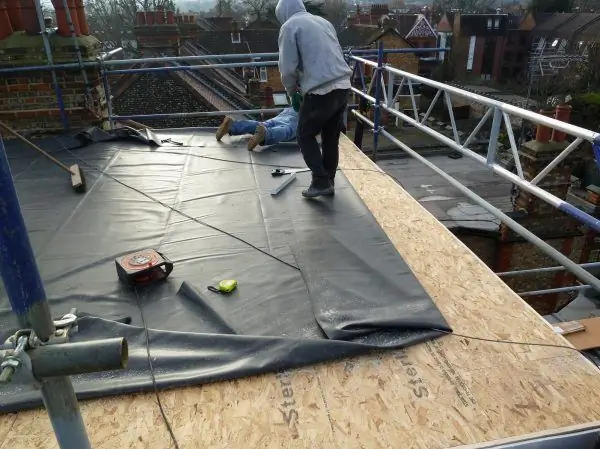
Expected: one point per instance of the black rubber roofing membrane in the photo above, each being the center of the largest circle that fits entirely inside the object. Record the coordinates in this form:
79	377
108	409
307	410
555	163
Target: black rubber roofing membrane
351	291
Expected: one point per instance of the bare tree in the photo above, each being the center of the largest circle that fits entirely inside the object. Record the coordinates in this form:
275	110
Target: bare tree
226	8
112	21
258	9
465	6
336	11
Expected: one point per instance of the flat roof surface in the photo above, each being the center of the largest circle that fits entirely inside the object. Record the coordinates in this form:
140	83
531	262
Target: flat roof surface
463	389
317	279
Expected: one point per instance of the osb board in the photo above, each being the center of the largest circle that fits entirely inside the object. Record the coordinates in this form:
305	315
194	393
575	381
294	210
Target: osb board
450	392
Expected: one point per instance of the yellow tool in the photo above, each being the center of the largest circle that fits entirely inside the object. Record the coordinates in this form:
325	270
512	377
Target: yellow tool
224	287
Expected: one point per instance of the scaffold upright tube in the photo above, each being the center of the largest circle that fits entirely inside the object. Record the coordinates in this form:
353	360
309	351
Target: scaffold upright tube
27	298
571	266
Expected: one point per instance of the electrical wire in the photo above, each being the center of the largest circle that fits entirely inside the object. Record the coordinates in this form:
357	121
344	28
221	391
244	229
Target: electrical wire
161	408
180	212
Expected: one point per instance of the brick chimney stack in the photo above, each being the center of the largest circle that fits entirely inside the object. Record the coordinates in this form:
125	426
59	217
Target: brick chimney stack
28	100
544	220
157	32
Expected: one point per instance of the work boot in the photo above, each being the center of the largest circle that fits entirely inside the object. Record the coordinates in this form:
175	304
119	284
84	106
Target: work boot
258	138
319	187
224	128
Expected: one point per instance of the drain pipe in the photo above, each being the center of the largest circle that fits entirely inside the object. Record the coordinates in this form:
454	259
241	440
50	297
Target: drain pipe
59	98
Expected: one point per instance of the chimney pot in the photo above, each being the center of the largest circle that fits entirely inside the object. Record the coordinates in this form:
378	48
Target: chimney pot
16	17
74	17
170	17
149	18
140	18
61	18
5	26
81	18
31	25
563	113
159	15
543	133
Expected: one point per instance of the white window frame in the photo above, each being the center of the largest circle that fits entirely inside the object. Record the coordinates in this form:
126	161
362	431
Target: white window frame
263	74
489	23
471	55
236	38
496	24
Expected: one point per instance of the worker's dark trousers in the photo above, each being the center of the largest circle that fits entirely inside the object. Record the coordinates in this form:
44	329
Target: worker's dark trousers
322	114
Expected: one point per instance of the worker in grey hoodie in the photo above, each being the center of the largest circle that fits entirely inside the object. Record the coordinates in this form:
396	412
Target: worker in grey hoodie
312	64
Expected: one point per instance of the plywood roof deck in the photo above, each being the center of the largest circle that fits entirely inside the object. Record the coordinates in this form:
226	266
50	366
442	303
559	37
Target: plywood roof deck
450	392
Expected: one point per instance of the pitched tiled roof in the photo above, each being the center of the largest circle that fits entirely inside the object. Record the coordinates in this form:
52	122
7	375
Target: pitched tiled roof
251	41
404	23
160	93
266	24
357	36
221	23
568	26
552	23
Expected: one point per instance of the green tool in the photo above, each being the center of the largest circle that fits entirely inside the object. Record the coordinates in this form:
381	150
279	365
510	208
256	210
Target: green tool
225	286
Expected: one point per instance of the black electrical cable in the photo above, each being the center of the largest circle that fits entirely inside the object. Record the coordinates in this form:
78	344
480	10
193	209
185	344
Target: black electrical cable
153	374
183	214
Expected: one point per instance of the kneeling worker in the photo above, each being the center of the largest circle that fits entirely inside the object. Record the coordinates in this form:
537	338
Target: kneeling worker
281	128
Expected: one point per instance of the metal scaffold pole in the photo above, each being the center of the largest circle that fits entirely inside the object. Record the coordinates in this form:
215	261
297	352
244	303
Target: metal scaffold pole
27	297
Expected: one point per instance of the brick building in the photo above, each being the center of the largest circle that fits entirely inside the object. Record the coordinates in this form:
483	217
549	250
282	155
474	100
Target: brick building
492	47
416	29
28	100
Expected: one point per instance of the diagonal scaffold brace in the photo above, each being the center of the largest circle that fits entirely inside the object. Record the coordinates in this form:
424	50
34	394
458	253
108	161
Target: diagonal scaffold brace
40	353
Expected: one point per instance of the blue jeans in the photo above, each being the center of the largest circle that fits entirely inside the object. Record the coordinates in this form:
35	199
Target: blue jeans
278	130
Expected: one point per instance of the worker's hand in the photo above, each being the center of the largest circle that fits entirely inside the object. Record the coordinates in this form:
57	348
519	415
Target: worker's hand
296	100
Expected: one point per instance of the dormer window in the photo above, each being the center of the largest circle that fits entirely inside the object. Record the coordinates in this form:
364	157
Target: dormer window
236	38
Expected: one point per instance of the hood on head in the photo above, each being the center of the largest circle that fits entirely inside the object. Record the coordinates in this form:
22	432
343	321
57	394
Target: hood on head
287	8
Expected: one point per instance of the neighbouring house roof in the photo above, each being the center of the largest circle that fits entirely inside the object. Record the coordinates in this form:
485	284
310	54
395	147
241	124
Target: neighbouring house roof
356	36
421	28
251	41
221	23
446	23
161	93
581	26
266	24
553	24
590	33
362	36
404	23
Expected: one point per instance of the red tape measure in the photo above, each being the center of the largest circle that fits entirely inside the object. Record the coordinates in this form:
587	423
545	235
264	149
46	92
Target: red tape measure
143	267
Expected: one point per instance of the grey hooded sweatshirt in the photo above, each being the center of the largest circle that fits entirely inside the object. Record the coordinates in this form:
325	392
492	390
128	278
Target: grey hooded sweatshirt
310	56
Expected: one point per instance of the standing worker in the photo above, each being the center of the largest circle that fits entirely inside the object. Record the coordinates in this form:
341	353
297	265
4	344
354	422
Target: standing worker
317	79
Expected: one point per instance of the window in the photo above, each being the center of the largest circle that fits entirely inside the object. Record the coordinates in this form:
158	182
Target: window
236	38
496	24
263	75
471	53
489	24
280	99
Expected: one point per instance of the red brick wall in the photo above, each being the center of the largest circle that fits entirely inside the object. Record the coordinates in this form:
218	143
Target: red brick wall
28	100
